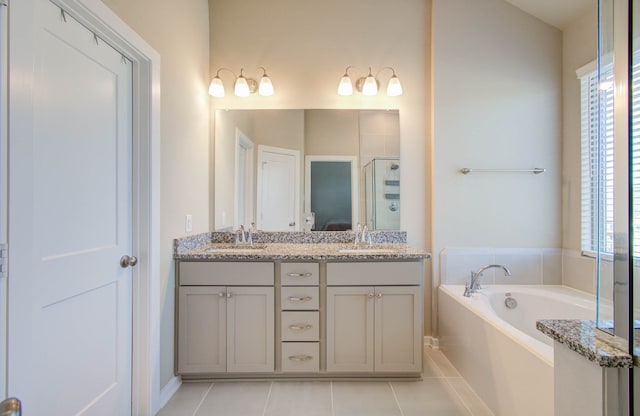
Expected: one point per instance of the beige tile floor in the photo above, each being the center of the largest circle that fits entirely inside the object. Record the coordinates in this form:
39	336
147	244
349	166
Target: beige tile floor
441	392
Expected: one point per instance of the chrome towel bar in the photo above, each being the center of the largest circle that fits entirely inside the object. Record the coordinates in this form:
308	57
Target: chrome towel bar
535	171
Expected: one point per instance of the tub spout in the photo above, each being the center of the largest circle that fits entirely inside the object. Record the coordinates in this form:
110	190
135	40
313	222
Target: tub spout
474	283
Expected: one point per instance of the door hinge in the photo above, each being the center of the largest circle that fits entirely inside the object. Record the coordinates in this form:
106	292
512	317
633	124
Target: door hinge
4	255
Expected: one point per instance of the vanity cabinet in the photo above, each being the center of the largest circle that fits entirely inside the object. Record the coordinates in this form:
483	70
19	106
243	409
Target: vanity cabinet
374	317
225	318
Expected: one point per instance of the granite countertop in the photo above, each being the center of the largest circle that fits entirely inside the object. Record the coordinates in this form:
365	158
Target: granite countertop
301	251
584	338
292	246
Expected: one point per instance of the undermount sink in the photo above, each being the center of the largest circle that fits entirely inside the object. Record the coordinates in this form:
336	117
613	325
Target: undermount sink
236	248
368	250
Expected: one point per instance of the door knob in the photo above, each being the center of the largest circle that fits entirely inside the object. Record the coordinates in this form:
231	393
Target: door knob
126	261
292	224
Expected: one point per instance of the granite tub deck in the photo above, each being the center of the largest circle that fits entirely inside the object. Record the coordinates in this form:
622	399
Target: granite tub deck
219	246
584	338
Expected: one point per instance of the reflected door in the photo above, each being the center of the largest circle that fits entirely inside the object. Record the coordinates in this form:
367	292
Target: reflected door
278	189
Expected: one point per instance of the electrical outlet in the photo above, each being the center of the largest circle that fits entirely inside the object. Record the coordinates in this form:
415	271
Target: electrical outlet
188	223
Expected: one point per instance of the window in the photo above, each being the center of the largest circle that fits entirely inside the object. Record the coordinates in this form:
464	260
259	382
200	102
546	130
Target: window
598	158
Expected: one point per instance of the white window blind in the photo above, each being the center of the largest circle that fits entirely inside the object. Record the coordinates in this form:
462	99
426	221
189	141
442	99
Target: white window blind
598	159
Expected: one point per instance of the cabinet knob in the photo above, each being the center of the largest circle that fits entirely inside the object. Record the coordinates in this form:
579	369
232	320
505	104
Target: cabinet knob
378	295
300	327
370	295
222	294
229	295
300	298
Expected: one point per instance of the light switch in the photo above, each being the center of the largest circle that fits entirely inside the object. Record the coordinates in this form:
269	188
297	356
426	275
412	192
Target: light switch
188	223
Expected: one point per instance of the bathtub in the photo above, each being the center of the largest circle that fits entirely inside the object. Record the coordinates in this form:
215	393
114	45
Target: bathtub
498	350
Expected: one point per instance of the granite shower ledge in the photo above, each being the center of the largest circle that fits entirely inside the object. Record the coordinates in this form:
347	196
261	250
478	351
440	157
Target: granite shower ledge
302	252
583	337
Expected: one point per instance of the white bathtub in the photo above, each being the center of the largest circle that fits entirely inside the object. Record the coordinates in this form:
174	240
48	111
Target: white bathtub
498	350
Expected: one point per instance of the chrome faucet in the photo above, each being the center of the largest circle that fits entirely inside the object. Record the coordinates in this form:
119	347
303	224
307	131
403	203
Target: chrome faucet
474	284
363	235
245	236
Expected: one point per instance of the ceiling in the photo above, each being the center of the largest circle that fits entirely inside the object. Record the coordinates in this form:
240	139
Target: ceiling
558	13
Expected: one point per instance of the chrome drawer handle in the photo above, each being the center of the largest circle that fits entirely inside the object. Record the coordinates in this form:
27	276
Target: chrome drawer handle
299	274
300	299
300	358
300	327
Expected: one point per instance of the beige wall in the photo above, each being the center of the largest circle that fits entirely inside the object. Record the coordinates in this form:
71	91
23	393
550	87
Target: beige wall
180	35
497	104
331	133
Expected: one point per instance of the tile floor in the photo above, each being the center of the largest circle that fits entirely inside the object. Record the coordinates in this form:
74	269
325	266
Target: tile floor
442	392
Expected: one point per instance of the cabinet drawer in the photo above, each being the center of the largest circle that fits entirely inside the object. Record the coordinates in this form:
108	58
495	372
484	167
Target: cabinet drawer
375	273
299	298
300	326
226	274
300	357
299	274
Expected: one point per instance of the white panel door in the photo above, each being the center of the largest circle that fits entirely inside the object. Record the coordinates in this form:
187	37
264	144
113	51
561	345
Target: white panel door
70	204
278	189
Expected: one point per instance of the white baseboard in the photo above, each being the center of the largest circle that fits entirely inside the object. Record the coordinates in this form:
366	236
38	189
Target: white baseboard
167	392
432	342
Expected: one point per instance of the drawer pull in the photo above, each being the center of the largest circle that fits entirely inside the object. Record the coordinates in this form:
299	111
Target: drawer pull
299	274
300	327
300	358
300	298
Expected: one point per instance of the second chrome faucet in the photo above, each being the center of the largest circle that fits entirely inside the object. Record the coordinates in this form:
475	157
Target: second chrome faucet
474	283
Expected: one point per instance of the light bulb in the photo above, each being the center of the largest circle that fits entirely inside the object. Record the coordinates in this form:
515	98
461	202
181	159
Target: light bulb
345	87
241	88
370	86
394	88
216	88
266	87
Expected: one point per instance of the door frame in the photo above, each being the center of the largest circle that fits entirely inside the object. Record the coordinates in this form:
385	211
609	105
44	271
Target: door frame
146	291
244	191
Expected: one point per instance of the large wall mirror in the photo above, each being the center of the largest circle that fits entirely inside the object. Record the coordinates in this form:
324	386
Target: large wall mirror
307	170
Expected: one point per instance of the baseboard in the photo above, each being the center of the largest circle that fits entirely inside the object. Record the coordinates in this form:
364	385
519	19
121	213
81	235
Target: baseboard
432	342
167	392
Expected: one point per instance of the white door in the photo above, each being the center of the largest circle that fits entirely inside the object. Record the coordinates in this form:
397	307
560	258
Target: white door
278	189
70	204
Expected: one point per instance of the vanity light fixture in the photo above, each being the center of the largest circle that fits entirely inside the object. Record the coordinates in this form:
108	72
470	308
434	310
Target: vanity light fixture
369	84
242	87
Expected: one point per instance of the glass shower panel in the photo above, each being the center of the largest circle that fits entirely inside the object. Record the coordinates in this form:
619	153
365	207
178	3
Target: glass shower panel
604	169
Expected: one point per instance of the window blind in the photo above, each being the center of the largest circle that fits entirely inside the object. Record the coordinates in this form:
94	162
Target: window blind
598	160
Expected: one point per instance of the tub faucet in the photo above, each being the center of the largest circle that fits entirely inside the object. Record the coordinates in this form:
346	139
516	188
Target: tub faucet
474	284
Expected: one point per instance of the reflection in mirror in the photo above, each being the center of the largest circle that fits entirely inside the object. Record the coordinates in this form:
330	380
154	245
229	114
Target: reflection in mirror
260	160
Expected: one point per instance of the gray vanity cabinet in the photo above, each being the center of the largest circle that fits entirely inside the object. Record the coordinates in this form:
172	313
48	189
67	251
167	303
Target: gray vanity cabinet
225	318
374	317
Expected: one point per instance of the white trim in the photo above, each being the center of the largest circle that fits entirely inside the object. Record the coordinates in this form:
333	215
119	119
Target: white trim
432	342
4	180
146	106
354	182
169	390
243	142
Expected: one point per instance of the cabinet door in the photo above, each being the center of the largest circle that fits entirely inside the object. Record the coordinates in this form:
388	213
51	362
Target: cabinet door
250	329
350	329
398	329
202	330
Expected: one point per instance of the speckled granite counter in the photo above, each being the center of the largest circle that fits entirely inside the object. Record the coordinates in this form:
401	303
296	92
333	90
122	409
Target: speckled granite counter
583	338
296	247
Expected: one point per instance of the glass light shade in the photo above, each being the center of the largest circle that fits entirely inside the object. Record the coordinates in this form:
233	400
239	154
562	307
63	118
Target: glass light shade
394	88
241	88
266	87
216	88
370	86
345	87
